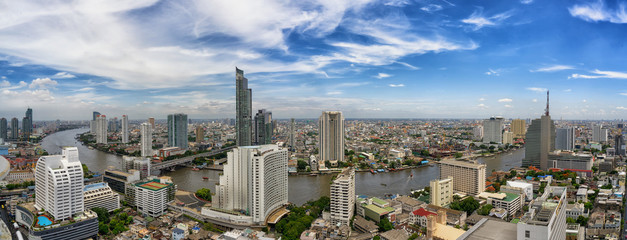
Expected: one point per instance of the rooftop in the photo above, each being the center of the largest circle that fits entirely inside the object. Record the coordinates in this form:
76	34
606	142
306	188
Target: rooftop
460	163
154	185
423	212
490	230
376	209
95	186
379	201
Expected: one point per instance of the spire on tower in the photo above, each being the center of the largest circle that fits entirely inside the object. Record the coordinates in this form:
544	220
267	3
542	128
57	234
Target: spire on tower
547	103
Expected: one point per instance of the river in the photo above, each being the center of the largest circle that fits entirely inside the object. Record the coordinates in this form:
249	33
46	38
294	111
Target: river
301	188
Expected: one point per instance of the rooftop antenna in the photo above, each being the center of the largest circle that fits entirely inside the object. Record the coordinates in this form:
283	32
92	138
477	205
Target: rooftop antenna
547	103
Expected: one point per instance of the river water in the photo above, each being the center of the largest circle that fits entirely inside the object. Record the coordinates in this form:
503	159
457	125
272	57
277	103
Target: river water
301	188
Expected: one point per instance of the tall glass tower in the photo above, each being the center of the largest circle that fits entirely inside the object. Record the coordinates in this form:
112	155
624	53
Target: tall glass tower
540	140
243	123
177	130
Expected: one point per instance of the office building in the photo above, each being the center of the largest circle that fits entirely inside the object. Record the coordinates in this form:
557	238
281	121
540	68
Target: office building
540	140
508	137
571	161
146	139
101	129
441	192
493	130
15	128
292	141
4	129
469	177
343	197
100	195
152	122
243	123
124	129
94	115
59	184
619	145
599	134
140	164
527	188
519	128
113	124
119	180
263	127
254	180
477	133
546	218
177	130
200	134
151	197
331	137
27	123
565	139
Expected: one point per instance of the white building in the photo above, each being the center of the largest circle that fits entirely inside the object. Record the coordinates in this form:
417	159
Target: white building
469	176
599	134
511	202
477	133
140	164
343	197
565	139
151	197
527	188
254	180
100	195
493	130
331	143
59	184
101	129
124	129
546	218
441	191
146	139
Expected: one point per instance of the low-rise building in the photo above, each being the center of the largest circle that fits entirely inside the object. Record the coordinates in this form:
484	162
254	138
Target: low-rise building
441	191
364	226
420	216
152	196
527	188
100	195
575	210
511	202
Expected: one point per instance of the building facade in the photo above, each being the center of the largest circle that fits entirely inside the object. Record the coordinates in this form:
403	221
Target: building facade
546	218
343	197
519	128
441	191
27	123
477	133
101	129
200	134
151	197
539	143
177	130
124	129
599	134
469	177
59	184
493	130
243	121
118	180
331	136
4	129
508	137
100	195
263	127
565	139
146	139
15	129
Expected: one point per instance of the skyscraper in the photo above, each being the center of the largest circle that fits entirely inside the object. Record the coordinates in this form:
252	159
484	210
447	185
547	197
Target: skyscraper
15	128
92	123
59	181
343	197
94	115
27	123
254	180
599	134
619	145
540	140
493	130
331	142
200	134
177	130
152	122
519	128
243	124
477	133
124	129
292	134
3	129
565	139
101	129
263	127
468	177
146	139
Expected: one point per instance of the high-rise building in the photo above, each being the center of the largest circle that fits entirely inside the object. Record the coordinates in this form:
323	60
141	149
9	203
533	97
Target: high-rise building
152	122
15	129
599	134
94	115
441	191
92	123
140	164
27	123
151	197
200	134
477	133
243	123
124	129
101	129
508	137
177	130
469	177
100	195
519	128
493	130
254	180
113	124
331	136
343	197
59	184
565	139
146	139
263	127
3	129
619	145
540	140
292	141
546	218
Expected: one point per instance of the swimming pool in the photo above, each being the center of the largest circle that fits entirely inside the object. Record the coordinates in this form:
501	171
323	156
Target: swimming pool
43	221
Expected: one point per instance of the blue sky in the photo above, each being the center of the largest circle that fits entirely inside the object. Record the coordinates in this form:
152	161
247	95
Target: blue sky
367	58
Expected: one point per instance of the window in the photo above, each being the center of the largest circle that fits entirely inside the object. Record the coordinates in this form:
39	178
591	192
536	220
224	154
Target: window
526	233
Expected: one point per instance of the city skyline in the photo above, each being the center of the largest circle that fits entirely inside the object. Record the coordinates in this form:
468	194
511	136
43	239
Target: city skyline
371	59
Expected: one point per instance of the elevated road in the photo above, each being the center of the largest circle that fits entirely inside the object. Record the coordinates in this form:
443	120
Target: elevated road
184	160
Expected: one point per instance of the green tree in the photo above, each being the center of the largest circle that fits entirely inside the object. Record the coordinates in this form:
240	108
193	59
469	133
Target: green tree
469	205
103	214
302	165
376	238
485	209
204	194
385	225
413	236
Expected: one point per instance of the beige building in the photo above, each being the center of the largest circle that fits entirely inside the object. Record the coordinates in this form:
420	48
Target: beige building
343	197
519	128
441	191
508	137
469	176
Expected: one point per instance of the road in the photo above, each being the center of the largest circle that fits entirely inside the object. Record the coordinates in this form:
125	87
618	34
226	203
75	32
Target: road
174	162
5	218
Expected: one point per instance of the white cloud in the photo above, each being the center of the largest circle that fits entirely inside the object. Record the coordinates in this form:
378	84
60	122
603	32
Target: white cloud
431	8
481	99
5	83
508	106
334	93
621	108
396	3
505	100
412	67
382	75
526	1
534	100
491	72
479	20
61	75
601	74
537	89
481	105
568	90
624	94
553	68
397	85
597	12
584	101
42	83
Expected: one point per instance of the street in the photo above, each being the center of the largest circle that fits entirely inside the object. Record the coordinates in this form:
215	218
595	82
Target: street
5	218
